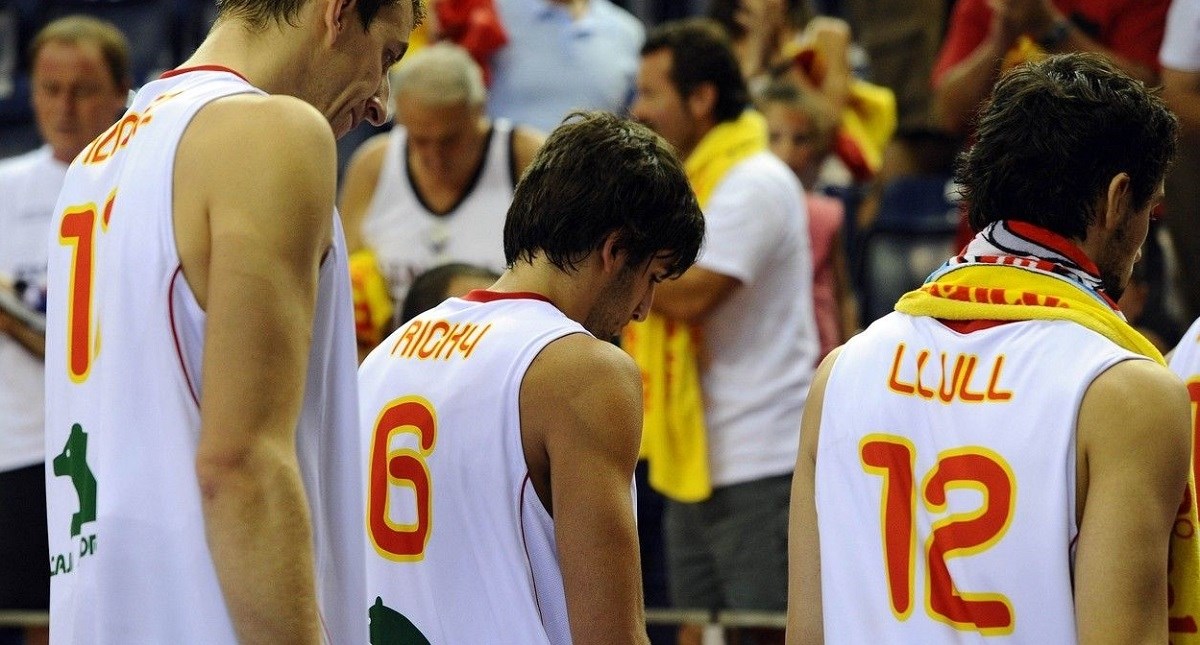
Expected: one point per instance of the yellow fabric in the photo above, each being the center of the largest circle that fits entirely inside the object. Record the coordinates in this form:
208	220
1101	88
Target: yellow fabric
999	292
372	303
1023	51
869	118
674	440
987	293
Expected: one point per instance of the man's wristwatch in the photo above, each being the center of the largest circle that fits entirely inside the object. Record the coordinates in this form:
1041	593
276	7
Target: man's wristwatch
1056	35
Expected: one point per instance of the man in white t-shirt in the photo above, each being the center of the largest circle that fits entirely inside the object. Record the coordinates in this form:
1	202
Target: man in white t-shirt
750	292
80	74
1180	58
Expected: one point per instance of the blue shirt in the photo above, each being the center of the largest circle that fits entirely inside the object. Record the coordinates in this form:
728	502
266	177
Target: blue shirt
553	64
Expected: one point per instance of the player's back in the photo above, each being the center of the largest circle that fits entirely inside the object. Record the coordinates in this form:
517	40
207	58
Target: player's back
460	547
125	336
945	483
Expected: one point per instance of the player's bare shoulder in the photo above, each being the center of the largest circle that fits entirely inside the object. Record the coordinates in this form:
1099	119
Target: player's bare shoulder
577	363
579	384
526	142
246	126
257	147
245	164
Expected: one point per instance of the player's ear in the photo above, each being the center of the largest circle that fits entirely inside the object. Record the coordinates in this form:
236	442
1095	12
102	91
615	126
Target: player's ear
337	15
611	253
1116	199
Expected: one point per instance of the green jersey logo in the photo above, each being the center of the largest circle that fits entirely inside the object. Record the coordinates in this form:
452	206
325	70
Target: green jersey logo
72	462
390	627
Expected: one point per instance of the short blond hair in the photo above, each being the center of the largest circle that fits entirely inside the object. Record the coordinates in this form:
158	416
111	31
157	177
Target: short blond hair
441	74
80	29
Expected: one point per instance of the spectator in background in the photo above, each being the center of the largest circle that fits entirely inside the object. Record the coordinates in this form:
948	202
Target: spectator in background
564	55
435	188
800	130
901	40
987	36
751	294
1180	57
80	73
429	289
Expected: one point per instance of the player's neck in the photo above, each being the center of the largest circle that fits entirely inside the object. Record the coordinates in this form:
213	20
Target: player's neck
573	293
231	45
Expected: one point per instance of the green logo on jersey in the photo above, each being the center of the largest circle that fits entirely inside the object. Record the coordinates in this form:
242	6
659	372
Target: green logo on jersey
72	462
390	627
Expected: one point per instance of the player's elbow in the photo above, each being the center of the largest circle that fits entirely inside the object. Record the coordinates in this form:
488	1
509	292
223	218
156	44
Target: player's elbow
230	472
219	471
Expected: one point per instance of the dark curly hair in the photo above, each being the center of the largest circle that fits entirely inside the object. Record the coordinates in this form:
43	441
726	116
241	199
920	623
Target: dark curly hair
597	174
701	53
1052	137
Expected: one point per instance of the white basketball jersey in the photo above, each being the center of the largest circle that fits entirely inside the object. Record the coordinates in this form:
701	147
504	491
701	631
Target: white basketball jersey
945	481
128	555
459	546
408	238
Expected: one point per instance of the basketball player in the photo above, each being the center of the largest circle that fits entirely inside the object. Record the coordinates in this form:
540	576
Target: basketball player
200	349
435	188
500	430
1004	454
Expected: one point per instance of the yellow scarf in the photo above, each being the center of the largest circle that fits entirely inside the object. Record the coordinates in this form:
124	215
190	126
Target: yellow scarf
1000	292
674	440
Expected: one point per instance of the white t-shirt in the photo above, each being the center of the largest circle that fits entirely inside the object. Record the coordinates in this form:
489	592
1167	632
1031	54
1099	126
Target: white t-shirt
762	341
29	184
1181	42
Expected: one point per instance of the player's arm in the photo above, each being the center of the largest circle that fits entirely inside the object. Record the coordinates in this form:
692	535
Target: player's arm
967	67
525	144
269	202
32	340
358	187
581	415
1134	448
694	295
1181	91
1078	41
805	621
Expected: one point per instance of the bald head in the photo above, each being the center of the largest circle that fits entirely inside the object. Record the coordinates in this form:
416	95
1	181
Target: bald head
439	75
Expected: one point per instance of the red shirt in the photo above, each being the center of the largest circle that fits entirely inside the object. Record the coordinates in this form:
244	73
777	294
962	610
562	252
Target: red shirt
1131	28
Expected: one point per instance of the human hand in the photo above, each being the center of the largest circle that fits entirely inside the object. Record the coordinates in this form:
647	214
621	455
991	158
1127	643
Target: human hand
762	20
1032	18
1004	28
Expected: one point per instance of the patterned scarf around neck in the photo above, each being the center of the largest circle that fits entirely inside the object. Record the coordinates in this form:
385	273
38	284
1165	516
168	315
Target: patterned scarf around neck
1016	243
1017	271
